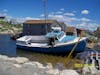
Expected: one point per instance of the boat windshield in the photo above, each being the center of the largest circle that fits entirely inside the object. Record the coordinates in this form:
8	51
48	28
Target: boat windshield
60	35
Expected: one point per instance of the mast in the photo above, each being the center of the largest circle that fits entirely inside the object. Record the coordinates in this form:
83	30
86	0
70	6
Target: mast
45	15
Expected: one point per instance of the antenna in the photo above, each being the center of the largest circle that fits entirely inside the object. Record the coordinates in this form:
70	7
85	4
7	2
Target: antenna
45	14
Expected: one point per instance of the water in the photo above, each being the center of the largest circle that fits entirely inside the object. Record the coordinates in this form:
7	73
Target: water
7	46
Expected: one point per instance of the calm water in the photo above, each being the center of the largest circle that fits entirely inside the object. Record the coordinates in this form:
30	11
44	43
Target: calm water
7	46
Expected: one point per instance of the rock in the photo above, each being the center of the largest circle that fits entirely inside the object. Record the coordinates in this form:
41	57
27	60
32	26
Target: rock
17	65
22	66
6	68
39	65
49	66
20	60
52	72
68	72
29	68
41	69
93	70
3	58
15	70
85	70
98	72
30	65
59	66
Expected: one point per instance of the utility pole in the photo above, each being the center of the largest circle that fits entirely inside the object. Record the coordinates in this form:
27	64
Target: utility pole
45	15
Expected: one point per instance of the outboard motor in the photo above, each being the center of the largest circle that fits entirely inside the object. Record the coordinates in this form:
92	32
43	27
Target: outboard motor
51	41
53	35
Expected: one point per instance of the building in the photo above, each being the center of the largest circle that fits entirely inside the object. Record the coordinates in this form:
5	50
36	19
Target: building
80	32
75	31
71	31
2	18
40	27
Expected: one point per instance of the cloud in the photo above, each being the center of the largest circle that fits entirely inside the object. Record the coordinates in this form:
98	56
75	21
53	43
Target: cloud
74	11
31	18
88	26
67	18
55	17
18	20
4	10
85	19
69	14
60	17
79	19
82	22
85	12
62	9
28	18
42	15
59	12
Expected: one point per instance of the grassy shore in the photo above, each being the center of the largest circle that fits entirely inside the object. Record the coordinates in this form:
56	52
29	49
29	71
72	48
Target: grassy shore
55	60
6	27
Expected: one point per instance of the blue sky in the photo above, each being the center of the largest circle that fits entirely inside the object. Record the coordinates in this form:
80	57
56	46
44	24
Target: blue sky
73	12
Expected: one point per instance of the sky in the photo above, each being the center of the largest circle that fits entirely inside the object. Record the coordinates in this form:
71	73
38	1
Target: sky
79	13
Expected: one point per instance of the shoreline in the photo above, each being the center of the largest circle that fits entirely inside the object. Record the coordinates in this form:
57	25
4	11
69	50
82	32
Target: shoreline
22	66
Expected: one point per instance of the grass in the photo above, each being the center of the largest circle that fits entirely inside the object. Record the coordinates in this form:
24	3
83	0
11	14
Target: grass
5	26
45	58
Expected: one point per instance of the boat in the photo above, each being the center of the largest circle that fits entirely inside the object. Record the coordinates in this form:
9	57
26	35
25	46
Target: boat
55	42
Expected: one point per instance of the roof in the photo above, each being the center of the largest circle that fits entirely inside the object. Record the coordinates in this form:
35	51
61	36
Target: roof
2	17
70	29
81	29
38	22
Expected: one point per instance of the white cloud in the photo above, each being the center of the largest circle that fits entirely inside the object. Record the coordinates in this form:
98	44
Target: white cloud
62	9
88	26
85	19
31	18
84	12
42	15
55	17
67	18
74	11
52	13
3	14
59	12
75	19
28	18
69	14
61	18
5	10
70	19
84	22
79	19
